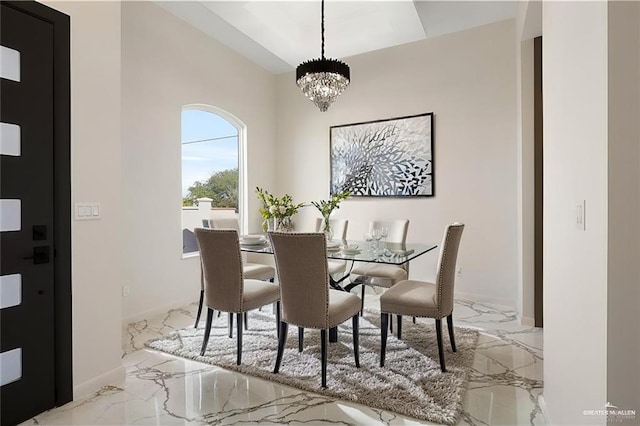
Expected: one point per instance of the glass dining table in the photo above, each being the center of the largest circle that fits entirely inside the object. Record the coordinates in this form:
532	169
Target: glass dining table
354	251
357	251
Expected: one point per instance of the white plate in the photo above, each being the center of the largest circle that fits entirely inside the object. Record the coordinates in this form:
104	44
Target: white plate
349	252
256	244
331	244
252	239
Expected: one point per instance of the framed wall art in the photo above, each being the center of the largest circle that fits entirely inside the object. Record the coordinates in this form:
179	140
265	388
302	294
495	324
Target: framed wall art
384	158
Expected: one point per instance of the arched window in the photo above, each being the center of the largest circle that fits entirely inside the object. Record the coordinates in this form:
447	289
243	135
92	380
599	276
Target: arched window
212	168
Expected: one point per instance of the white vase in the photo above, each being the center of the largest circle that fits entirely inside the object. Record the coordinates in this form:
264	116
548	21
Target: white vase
272	224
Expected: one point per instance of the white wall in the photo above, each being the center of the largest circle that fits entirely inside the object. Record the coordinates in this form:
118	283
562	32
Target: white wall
95	176
575	169
167	64
468	80
623	297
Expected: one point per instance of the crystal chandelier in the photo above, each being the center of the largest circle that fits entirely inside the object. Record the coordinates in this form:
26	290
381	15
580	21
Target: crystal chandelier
322	80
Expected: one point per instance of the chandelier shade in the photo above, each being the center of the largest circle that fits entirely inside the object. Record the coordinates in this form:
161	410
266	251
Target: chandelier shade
323	80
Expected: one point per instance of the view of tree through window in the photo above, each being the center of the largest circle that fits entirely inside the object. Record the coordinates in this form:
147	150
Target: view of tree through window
209	159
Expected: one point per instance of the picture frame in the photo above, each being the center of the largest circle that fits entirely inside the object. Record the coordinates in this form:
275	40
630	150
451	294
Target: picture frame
384	158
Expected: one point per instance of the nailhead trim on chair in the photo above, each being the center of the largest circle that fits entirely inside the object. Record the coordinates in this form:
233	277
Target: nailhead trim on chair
441	272
237	246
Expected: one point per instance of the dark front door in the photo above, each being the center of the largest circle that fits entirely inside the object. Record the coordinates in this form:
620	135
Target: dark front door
27	216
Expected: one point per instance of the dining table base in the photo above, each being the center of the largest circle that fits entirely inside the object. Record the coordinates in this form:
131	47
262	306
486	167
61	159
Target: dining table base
333	334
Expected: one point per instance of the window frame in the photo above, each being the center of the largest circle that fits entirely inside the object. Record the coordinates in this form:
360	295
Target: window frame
241	127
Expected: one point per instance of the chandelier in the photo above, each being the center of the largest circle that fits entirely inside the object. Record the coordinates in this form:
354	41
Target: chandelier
322	80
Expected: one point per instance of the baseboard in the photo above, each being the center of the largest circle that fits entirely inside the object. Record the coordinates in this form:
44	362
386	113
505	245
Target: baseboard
150	313
529	322
544	409
507	303
93	385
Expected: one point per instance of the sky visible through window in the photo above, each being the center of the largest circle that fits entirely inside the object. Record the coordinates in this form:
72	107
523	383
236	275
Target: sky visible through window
201	159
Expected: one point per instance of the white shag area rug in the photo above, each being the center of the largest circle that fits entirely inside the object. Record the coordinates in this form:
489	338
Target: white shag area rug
410	384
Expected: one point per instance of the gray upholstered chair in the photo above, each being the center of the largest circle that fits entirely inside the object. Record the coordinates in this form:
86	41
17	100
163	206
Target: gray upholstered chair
384	275
339	227
425	299
305	298
252	271
225	288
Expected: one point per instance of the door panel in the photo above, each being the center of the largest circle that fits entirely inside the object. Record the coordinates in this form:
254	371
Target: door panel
27	192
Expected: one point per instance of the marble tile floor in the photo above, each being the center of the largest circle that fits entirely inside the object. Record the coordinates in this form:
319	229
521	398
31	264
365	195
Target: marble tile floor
161	389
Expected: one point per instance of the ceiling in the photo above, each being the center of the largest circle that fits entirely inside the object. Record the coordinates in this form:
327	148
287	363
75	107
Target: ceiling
280	35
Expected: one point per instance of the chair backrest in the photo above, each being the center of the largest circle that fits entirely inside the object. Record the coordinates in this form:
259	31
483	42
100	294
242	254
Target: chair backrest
397	229
189	244
221	268
301	263
225	223
446	277
339	227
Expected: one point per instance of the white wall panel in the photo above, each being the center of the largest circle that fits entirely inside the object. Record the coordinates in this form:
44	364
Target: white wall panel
10	215
575	168
9	63
9	139
10	366
10	290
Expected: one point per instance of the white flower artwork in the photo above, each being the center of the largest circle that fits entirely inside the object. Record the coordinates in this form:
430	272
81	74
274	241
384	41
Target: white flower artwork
384	158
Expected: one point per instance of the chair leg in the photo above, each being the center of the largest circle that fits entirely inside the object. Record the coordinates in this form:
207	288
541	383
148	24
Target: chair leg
278	318
239	317
384	321
450	327
414	320
300	338
282	341
246	320
230	325
199	308
362	301
399	326
323	348
391	323
207	331
356	339
218	314
440	348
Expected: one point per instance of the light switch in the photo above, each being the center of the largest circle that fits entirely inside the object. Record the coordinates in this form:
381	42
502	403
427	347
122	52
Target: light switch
95	209
581	215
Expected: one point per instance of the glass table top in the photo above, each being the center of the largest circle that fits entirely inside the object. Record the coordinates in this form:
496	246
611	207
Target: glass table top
360	251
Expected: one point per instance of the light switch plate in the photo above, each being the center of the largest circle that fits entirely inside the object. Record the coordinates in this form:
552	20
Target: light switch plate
86	211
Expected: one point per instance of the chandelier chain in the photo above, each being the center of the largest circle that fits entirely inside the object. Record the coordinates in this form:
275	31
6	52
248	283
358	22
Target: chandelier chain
322	80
